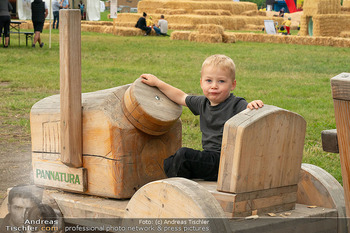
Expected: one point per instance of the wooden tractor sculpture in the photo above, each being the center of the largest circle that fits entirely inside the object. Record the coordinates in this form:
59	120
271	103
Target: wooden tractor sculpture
105	150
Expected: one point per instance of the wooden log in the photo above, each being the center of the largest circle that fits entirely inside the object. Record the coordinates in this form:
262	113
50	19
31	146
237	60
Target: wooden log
261	149
317	187
341	97
149	110
330	141
177	198
70	88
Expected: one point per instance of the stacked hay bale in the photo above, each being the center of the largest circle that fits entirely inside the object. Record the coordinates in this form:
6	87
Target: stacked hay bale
187	14
236	8
325	17
315	7
212	12
206	33
330	24
209	33
301	40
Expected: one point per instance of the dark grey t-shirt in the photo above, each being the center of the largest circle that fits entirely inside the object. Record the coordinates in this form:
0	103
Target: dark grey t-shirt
213	118
5	8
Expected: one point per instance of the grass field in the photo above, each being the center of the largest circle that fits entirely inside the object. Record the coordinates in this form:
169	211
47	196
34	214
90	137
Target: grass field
293	77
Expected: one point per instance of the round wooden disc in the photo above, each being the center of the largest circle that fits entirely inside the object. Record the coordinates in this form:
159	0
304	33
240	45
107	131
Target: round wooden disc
148	109
177	198
317	187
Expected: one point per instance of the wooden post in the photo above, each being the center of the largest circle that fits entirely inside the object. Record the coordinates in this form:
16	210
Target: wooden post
341	97
70	90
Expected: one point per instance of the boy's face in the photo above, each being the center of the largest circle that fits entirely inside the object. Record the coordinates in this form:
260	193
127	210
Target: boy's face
216	84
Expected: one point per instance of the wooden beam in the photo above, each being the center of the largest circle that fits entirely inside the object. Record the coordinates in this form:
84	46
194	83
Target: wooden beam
70	88
341	97
330	140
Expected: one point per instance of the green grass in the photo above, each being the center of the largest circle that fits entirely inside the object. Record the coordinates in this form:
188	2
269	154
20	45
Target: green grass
293	77
104	16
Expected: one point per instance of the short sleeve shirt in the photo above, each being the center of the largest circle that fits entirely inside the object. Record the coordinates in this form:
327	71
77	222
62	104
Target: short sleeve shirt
213	118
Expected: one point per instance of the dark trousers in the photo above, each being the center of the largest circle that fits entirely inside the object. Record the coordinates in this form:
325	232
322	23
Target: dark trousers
193	164
56	19
147	30
5	23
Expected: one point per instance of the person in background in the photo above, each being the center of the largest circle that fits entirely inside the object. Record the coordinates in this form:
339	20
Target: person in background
282	30
5	20
281	13
64	4
141	23
162	28
39	13
81	7
56	13
287	24
149	22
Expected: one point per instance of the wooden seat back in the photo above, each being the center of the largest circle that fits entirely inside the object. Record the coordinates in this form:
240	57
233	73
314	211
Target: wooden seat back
261	149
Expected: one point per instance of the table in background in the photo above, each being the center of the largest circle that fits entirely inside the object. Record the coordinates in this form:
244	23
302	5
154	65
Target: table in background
15	26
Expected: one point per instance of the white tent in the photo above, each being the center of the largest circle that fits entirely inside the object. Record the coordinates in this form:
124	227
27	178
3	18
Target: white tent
25	13
93	10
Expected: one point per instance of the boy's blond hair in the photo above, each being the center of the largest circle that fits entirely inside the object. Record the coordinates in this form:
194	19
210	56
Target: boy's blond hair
222	62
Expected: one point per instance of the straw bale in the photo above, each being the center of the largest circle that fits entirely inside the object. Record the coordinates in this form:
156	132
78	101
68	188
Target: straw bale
330	25
123	31
262	13
27	24
210	29
99	23
346	3
303	27
212	12
345	34
214	0
180	35
127	17
165	11
302	40
107	29
250	13
229	37
125	24
90	28
235	8
150	6
345	10
205	38
341	42
253	27
182	26
314	7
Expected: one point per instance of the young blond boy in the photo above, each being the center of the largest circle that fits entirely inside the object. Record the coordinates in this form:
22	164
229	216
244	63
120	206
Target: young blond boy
215	108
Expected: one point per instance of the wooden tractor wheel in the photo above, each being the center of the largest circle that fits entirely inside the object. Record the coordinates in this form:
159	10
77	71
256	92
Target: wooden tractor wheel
177	198
317	187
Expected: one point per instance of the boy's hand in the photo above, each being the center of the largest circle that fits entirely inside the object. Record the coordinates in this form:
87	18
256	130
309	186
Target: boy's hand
255	104
150	79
